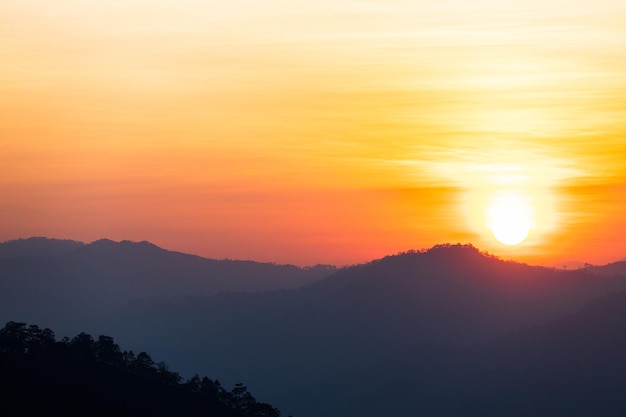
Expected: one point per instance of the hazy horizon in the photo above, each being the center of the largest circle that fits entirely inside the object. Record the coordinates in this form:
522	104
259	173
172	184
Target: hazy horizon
564	264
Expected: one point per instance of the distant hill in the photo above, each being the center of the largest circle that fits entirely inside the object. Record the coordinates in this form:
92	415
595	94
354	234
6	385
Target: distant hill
571	265
37	247
612	269
65	284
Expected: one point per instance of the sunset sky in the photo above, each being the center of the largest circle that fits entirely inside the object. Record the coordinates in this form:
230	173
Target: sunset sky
315	131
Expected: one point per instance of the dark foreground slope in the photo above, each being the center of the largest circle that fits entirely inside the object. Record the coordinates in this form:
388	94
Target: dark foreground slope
87	377
65	284
331	347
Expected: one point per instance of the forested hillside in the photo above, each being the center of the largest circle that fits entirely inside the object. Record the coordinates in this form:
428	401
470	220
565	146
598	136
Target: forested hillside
84	376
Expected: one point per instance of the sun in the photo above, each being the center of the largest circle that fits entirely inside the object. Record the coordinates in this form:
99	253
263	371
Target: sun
510	217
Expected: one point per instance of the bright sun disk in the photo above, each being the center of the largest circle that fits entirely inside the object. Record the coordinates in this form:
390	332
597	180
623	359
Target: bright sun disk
510	217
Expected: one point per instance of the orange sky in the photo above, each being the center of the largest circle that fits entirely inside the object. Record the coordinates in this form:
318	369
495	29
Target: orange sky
304	132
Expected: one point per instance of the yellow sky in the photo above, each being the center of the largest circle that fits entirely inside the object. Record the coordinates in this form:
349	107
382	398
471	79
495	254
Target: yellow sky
305	132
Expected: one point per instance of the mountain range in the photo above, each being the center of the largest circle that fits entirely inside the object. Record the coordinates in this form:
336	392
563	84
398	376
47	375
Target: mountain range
448	331
64	284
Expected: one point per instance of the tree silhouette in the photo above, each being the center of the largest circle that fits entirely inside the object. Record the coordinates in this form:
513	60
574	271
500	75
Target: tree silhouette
83	376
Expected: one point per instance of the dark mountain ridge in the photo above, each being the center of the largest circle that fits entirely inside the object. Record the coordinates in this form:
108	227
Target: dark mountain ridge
612	269
65	284
37	247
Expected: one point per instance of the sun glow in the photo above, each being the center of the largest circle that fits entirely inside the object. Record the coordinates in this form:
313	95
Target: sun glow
510	217
511	205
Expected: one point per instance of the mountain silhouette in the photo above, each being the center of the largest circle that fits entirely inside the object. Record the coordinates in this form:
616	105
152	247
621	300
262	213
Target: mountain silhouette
37	247
430	332
612	269
65	284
